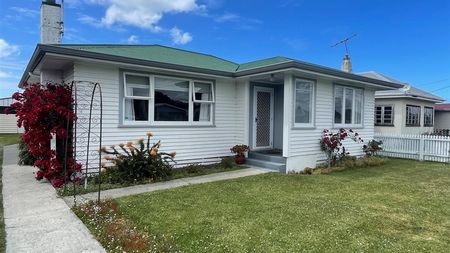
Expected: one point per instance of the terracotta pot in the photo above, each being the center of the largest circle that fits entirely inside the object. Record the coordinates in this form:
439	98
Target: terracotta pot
240	159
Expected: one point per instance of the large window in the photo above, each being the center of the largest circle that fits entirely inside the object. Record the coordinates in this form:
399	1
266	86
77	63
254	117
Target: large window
412	115
428	116
304	103
348	104
164	100
384	115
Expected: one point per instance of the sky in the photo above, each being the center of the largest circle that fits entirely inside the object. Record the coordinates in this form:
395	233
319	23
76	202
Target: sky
406	40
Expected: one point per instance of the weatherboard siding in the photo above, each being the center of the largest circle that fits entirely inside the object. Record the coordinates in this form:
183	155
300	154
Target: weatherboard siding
304	143
192	144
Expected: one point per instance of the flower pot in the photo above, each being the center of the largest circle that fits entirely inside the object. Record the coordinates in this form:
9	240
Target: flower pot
240	159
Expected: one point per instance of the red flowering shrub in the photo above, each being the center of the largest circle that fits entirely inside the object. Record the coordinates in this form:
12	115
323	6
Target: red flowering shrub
43	110
331	143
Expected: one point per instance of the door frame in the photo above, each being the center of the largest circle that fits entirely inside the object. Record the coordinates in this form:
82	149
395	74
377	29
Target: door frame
257	89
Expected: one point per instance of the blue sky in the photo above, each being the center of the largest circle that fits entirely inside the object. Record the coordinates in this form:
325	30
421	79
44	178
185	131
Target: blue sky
407	40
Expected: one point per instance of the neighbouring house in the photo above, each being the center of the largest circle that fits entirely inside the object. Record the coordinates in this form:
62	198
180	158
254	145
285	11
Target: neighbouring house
442	117
201	105
407	110
8	121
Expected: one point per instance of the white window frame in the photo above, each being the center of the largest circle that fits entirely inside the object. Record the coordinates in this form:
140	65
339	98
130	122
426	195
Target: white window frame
343	124
432	116
212	101
419	119
382	115
312	104
151	103
126	96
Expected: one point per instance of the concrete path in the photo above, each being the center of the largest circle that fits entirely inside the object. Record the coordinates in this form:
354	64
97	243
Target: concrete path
36	220
121	192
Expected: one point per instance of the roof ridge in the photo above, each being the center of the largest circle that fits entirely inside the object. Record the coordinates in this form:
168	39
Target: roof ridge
146	45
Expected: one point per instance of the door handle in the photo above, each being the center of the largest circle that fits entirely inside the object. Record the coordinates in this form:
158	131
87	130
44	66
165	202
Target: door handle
256	119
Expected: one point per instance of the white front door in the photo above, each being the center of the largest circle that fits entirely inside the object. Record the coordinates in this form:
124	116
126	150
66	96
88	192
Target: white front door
262	118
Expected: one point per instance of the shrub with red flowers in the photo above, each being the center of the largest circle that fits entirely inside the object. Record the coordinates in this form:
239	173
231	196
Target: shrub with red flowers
331	143
43	111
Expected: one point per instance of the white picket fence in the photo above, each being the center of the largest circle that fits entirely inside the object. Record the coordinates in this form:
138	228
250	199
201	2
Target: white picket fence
418	147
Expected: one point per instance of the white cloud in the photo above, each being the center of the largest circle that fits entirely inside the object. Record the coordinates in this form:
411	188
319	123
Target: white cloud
179	37
7	49
25	12
141	13
85	19
133	39
227	17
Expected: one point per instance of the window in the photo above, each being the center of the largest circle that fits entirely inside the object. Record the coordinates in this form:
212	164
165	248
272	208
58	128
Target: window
412	115
428	116
203	99
348	104
304	102
171	100
384	115
137	96
167	100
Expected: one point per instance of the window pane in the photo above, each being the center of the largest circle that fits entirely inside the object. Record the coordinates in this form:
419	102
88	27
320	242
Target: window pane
387	120
338	98
303	100
202	112
136	110
412	115
428	116
137	86
378	113
348	106
171	100
202	91
358	106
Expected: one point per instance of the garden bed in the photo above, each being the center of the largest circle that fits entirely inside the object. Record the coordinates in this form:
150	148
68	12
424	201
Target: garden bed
189	171
400	206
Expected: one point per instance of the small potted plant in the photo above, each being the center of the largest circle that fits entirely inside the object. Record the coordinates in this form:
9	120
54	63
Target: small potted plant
239	151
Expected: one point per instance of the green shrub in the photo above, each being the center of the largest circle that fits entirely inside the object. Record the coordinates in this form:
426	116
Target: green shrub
227	162
25	157
136	163
372	147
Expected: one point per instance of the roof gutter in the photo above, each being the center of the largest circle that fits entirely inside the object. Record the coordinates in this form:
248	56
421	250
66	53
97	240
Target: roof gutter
409	96
43	49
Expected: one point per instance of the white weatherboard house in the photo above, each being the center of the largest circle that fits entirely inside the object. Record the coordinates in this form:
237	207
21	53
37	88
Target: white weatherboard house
200	105
407	110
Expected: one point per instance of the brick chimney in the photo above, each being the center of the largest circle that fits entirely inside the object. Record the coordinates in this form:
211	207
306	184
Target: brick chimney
346	64
51	22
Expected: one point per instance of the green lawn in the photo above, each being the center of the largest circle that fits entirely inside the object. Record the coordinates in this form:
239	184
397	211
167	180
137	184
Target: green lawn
398	207
5	139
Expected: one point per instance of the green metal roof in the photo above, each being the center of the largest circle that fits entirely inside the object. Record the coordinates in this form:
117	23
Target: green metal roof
159	53
176	56
263	63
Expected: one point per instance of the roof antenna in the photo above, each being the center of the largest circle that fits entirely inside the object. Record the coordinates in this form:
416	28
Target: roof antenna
346	64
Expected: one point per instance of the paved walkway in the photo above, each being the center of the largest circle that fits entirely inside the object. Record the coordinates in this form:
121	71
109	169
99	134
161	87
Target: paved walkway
36	220
132	190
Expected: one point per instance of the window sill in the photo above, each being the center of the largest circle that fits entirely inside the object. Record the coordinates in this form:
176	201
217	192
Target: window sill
413	126
384	125
163	126
306	127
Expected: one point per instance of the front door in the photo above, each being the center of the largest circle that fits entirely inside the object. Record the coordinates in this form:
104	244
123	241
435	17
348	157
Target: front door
263	118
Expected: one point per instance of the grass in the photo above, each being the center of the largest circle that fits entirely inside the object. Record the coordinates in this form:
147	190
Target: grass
191	171
5	139
397	207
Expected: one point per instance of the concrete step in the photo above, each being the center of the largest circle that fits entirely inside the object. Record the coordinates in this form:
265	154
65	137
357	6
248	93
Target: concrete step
266	157
281	167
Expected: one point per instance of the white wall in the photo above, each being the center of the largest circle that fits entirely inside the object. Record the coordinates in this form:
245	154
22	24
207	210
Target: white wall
400	116
192	144
8	123
442	120
303	144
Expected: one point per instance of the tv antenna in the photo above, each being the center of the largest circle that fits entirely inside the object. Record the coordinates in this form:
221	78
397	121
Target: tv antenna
344	41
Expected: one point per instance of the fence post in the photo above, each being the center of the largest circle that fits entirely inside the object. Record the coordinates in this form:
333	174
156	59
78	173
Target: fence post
421	147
